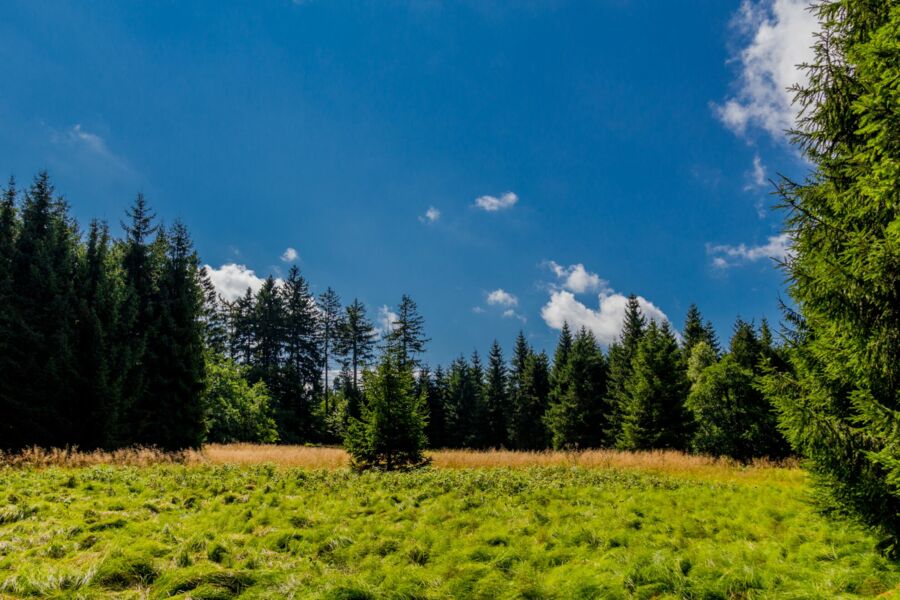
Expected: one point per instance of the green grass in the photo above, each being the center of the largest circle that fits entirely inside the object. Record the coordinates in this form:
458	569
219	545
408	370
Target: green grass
552	532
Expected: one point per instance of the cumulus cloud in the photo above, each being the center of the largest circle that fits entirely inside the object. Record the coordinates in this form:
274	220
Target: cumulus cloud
290	255
493	203
605	322
232	280
576	278
500	297
431	215
758	174
777	247
779	34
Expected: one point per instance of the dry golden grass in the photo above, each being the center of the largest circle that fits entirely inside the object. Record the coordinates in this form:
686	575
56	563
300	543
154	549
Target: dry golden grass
311	457
659	461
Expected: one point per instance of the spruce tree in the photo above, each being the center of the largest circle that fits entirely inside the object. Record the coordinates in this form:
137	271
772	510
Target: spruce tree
578	416
355	341
621	356
496	398
41	343
654	415
268	352
839	404
528	430
9	230
462	401
300	381
406	337
137	318
172	412
390	432
330	328
99	385
436	409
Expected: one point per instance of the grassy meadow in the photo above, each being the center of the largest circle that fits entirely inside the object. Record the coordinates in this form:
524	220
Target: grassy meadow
283	522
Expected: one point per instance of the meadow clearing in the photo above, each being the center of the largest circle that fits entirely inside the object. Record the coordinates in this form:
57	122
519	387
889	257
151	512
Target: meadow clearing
295	522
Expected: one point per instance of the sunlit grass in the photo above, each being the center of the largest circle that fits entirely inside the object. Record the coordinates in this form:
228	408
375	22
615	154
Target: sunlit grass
544	525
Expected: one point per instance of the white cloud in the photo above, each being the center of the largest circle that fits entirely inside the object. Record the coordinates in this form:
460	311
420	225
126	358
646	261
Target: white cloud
780	37
605	322
500	297
386	319
290	255
777	247
493	203
759	172
511	314
477	310
431	215
232	280
576	278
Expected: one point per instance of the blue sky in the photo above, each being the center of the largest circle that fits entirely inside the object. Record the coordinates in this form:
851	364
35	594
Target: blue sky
507	164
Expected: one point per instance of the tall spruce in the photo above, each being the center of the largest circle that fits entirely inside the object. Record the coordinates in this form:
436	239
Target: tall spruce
462	401
137	318
436	408
99	385
528	430
654	415
41	342
172	415
621	356
577	416
9	230
300	381
406	335
356	341
330	328
840	405
496	399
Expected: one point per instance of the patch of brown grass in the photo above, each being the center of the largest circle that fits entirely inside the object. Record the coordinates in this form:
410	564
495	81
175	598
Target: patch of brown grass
72	457
657	461
311	457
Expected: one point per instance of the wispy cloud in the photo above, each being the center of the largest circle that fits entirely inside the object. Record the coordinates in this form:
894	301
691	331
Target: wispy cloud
495	203
779	37
778	247
431	215
289	255
512	314
89	150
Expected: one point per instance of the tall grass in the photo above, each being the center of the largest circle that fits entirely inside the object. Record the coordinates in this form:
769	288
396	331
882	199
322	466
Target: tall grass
659	461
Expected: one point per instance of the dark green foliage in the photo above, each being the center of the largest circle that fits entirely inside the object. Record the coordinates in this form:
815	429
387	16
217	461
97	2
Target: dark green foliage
496	400
330	327
621	356
40	348
577	416
9	231
464	395
234	410
653	415
435	390
840	403
528	430
300	379
171	414
731	416
695	331
390	433
99	385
